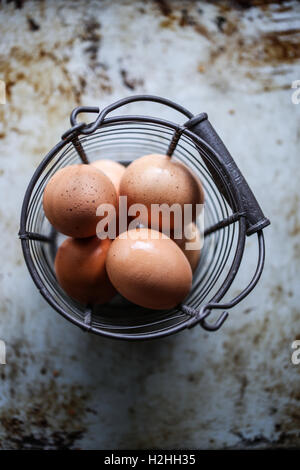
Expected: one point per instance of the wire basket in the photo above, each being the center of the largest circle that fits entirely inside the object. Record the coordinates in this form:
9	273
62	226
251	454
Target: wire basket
231	213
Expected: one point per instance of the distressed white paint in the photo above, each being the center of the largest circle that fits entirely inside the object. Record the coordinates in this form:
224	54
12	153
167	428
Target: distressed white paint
235	388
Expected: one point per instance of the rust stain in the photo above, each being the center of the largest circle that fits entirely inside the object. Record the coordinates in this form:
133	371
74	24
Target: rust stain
17	3
275	48
278	293
294	215
131	83
246	4
47	76
260	441
32	24
91	34
202	29
164	7
53	413
182	19
18	438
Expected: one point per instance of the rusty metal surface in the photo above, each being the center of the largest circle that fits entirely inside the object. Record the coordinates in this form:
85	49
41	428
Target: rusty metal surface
237	388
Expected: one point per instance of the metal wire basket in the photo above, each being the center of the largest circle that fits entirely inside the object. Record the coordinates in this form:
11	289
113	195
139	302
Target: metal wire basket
231	213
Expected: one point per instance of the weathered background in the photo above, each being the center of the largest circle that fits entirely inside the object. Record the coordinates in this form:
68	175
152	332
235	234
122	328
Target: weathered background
236	388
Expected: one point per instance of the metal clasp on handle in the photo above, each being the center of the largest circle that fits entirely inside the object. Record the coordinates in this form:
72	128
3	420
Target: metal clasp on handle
201	316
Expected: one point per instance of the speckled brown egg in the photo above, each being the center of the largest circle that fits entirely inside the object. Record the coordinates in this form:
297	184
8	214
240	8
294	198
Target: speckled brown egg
112	169
72	196
149	269
80	270
191	239
158	179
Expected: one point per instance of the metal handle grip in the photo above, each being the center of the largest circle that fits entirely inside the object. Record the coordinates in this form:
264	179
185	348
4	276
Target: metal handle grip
200	316
256	220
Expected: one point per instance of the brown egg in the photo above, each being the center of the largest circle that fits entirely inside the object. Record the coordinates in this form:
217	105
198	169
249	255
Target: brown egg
72	196
149	269
158	179
80	269
191	236
113	170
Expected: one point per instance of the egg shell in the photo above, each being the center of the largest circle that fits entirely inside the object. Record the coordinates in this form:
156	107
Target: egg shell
158	179
72	196
112	169
191	235
80	270
149	269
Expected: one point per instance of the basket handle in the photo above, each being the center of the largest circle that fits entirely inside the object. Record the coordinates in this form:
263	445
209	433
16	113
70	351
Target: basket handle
256	220
201	315
90	128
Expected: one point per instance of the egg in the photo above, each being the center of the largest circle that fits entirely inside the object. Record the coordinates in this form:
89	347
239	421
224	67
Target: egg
149	269
80	270
158	179
191	236
113	170
72	196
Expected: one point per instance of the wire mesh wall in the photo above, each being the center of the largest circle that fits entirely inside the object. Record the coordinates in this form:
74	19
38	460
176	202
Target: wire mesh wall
125	142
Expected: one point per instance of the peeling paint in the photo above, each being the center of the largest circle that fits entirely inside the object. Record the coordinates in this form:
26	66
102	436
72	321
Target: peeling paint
236	60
